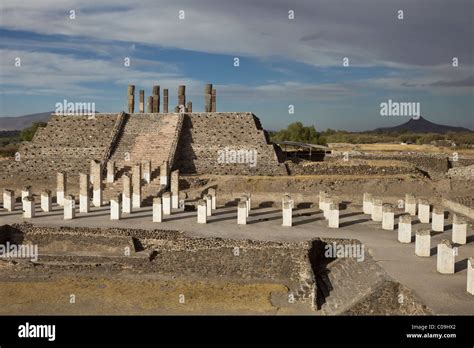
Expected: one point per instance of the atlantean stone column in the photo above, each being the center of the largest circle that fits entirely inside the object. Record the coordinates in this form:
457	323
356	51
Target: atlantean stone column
242	213
110	172
208	199
189	106
131	99
96	175
470	275
157	210
69	207
166	203
28	207
201	212
367	203
437	218
208	98
127	194
377	210
175	189
446	257
213	100
459	230
424	211
423	243
410	204
287	214
9	200
26	192
149	104
141	105
84	201
115	211
156	99
388	217
46	201
61	188
147	171
164	174
404	228
165	100
181	96
333	215
137	186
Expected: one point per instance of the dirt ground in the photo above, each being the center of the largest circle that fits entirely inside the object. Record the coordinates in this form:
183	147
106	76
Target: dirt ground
128	294
385	147
307	187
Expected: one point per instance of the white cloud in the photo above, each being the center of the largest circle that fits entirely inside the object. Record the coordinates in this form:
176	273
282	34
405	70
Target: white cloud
321	33
56	74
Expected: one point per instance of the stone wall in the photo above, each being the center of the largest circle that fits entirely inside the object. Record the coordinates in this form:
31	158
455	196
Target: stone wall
390	298
340	168
329	285
206	136
463	173
435	165
346	285
66	144
151	137
172	253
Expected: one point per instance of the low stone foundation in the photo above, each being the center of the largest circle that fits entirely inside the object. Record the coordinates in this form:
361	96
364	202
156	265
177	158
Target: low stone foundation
327	284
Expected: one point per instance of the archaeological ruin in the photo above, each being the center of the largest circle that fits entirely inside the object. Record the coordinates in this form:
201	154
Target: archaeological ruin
167	194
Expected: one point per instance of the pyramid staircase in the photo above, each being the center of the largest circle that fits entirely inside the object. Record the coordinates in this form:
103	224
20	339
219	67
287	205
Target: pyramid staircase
145	137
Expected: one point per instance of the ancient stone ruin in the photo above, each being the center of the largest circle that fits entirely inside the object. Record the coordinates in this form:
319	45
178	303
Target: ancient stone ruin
191	142
216	174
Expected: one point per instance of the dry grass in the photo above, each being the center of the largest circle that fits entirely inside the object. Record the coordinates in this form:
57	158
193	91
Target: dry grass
385	147
96	296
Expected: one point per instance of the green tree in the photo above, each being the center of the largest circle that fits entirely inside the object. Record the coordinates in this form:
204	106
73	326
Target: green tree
28	133
297	132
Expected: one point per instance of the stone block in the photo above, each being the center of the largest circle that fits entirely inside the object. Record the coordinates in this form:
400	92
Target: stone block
115	209
424	211
404	228
69	207
367	203
127	194
410	204
157	210
166	198
459	230
201	212
29	207
287	214
84	201
242	213
446	257
46	201
9	200
437	219
333	215
423	243
388	217
377	213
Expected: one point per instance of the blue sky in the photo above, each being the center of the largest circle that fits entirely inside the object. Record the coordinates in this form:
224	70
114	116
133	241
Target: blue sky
282	61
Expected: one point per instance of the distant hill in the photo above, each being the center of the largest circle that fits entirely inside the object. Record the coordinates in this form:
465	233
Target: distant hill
21	122
421	125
